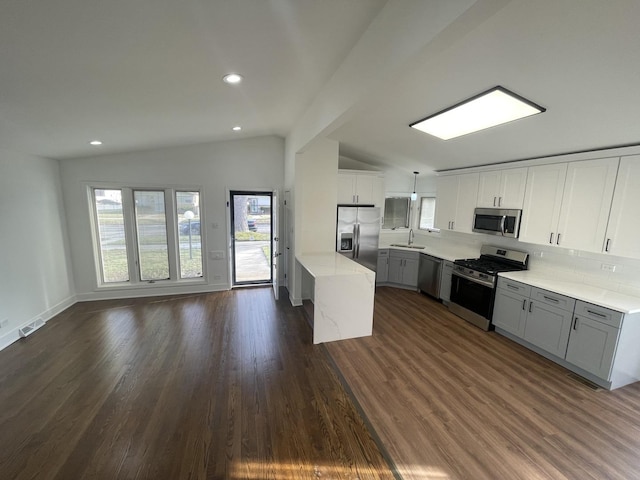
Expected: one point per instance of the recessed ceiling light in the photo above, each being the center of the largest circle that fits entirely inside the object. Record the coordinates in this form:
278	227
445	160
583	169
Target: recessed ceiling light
95	143
488	109
237	128
232	78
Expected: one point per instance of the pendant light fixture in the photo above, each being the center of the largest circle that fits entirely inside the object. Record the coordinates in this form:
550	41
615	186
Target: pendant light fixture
414	195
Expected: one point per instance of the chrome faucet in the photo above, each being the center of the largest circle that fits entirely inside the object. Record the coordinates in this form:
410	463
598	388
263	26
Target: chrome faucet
410	236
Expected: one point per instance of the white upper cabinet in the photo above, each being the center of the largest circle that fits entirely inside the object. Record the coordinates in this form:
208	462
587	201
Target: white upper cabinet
568	204
446	201
542	202
502	188
362	188
624	221
456	200
586	203
346	188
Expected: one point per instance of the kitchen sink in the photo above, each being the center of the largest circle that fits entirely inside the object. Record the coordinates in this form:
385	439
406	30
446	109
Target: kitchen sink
404	245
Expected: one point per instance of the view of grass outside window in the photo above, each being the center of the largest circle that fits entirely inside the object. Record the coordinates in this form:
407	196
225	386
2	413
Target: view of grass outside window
427	213
189	240
113	249
149	232
151	226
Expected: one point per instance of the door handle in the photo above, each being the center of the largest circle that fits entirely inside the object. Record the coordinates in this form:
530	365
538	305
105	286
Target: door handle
499	201
524	303
575	323
558	240
354	242
551	238
530	306
494	201
606	248
358	241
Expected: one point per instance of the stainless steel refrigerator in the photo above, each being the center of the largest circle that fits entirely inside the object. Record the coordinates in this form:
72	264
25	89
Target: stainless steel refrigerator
357	234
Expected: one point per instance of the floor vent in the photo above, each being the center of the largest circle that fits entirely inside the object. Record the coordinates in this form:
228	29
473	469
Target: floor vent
32	327
584	382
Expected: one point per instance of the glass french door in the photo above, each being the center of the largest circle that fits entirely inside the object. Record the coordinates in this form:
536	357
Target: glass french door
251	237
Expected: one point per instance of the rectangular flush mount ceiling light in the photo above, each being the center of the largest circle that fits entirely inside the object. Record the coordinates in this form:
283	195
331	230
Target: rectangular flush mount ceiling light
488	109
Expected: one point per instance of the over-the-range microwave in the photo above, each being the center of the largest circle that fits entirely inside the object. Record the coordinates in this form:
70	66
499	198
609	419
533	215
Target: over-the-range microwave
497	221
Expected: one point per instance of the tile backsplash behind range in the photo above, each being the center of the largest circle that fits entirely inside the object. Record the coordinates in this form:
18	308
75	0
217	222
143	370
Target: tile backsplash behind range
571	265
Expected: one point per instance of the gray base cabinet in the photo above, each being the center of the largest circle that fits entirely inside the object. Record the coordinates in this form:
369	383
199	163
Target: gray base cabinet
538	316
403	268
510	308
445	282
382	269
547	325
597	343
594	337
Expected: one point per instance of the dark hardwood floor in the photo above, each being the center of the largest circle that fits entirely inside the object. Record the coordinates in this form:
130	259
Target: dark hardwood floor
449	401
228	386
218	386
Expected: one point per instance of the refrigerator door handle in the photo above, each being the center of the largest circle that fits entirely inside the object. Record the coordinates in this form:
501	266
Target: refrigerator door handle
357	240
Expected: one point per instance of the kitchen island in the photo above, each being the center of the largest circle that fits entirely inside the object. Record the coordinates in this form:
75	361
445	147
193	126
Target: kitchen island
342	292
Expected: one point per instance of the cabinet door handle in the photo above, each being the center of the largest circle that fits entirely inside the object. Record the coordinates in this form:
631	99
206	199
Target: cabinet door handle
453	225
606	248
558	240
512	287
530	306
551	238
524	303
575	323
499	201
597	314
551	299
494	201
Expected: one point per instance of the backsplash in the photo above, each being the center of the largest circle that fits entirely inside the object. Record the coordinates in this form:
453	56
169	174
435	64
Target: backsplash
571	265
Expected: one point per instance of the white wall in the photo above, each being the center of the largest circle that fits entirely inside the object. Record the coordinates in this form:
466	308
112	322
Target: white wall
254	163
316	194
314	208
35	280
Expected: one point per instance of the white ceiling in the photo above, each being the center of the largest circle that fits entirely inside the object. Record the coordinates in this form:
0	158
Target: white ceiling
139	74
147	73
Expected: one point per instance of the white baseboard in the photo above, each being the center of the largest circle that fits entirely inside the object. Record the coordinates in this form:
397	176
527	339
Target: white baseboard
296	302
14	335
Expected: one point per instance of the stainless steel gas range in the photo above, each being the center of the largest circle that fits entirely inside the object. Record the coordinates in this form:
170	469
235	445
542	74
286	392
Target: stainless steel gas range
473	282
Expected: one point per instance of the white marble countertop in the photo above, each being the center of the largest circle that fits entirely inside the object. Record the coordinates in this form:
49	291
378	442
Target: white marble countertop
580	291
449	254
326	264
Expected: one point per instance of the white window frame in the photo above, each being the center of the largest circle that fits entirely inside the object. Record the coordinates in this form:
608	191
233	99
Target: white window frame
419	219
408	215
128	210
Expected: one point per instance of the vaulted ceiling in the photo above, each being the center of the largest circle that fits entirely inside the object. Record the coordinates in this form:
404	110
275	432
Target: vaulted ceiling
148	73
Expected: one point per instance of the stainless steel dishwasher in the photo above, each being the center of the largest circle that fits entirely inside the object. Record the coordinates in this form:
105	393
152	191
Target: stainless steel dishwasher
429	271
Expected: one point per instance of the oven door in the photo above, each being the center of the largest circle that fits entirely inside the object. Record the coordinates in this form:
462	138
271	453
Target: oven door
471	300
